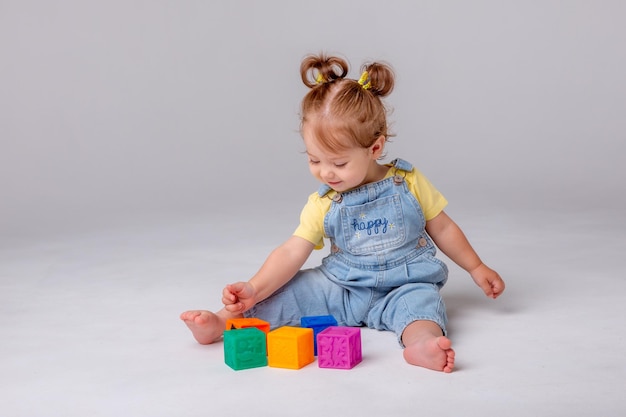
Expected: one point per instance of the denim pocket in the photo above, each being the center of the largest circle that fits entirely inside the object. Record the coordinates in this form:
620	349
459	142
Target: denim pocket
373	226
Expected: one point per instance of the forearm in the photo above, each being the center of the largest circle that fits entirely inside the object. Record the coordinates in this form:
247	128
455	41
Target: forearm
280	267
452	241
456	247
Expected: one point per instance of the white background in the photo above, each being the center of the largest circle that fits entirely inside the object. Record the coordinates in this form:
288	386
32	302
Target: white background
110	111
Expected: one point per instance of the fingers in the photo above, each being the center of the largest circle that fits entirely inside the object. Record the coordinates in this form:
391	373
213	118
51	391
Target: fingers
235	308
487	289
498	288
237	287
231	301
228	296
488	280
234	297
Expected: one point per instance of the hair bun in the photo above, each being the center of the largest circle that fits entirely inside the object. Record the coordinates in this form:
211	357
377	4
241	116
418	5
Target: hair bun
380	78
316	69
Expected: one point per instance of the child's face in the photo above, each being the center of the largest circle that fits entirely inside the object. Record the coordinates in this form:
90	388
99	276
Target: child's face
343	170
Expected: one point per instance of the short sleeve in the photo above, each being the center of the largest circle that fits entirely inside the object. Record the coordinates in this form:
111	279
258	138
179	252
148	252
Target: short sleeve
311	225
430	199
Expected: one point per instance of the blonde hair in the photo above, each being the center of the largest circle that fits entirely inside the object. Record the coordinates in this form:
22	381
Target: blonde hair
344	112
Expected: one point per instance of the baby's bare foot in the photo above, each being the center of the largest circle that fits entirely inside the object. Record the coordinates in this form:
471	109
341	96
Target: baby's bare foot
205	326
432	353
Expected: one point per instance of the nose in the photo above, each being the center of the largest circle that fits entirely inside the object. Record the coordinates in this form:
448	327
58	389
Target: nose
327	173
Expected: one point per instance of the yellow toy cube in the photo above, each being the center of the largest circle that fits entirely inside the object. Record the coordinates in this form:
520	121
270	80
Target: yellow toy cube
290	347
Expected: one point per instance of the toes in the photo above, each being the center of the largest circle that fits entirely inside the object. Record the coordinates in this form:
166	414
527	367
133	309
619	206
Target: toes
186	315
444	343
192	316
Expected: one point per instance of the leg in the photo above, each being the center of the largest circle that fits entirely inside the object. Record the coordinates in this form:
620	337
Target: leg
309	293
417	314
426	346
206	327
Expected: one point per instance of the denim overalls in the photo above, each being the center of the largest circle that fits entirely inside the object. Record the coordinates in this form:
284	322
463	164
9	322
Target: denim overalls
381	271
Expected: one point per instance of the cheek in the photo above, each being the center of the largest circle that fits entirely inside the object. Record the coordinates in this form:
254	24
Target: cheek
314	170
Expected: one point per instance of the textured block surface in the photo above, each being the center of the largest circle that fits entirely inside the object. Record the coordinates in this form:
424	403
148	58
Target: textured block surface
290	347
317	323
245	348
339	347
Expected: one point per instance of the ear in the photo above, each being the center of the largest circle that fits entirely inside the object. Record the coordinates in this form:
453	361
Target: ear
378	147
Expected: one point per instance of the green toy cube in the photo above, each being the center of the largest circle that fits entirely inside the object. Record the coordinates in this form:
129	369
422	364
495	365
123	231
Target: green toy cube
245	348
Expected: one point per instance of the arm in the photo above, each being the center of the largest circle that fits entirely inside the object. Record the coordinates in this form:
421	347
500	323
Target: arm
450	239
279	267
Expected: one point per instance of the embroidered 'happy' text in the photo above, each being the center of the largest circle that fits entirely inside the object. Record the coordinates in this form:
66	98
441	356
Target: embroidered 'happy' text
371	226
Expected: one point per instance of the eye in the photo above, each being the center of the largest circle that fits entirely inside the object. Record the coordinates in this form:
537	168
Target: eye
312	162
341	165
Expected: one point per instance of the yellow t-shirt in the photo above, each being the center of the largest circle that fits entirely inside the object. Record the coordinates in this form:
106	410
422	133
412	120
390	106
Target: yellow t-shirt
312	216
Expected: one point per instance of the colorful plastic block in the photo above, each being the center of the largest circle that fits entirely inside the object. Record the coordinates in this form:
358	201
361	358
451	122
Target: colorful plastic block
317	323
339	347
245	348
242	323
290	347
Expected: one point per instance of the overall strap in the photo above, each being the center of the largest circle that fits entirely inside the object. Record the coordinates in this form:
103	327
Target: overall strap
402	165
323	190
399	164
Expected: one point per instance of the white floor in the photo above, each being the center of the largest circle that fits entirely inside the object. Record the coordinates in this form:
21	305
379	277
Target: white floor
89	327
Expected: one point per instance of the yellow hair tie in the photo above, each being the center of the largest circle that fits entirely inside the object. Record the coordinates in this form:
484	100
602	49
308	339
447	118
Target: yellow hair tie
364	77
320	78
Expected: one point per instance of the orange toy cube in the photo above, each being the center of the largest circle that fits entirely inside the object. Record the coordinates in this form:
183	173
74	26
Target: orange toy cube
290	347
242	323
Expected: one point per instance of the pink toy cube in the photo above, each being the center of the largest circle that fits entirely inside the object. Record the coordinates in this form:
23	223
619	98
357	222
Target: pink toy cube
339	347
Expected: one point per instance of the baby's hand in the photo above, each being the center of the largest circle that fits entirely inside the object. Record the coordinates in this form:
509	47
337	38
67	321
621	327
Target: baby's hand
489	280
238	297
